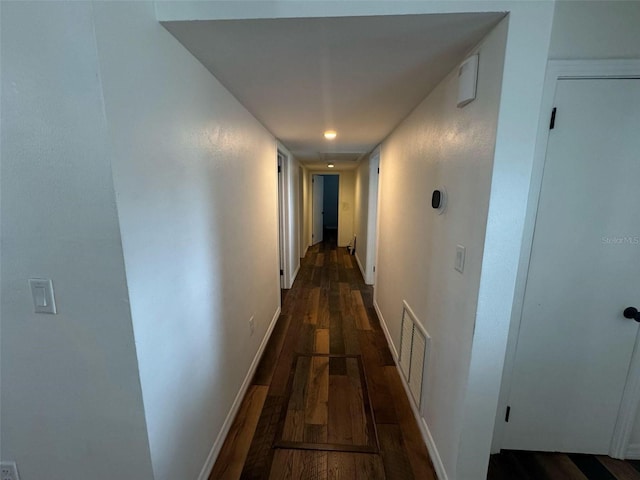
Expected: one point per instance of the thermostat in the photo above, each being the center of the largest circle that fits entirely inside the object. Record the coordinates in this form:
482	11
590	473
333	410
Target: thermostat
439	200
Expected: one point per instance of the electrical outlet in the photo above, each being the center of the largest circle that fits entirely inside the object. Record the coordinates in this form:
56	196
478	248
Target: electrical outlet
252	327
8	471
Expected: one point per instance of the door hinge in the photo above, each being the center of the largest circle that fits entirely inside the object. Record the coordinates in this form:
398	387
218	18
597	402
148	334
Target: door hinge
378	169
506	415
552	123
279	169
374	269
281	272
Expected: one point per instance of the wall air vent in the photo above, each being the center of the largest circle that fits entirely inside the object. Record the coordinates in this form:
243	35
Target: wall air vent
415	344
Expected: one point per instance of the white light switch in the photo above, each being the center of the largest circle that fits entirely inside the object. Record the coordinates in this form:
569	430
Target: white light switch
40	297
42	292
460	251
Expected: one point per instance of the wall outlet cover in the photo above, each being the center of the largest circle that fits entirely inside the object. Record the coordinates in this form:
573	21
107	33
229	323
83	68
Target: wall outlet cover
8	471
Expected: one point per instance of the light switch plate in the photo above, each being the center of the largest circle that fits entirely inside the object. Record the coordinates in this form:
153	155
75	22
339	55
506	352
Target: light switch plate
44	300
460	253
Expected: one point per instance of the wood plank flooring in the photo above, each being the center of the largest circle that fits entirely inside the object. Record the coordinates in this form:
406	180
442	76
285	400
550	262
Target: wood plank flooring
324	411
518	465
308	388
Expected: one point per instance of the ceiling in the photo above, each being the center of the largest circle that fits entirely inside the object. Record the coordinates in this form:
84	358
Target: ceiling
359	76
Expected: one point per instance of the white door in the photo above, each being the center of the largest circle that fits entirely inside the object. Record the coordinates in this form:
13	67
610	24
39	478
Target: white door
574	345
318	201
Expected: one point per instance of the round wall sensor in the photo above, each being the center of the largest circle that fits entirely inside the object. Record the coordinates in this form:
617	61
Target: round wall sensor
439	200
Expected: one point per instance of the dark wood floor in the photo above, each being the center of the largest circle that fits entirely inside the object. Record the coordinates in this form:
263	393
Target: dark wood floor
342	396
516	465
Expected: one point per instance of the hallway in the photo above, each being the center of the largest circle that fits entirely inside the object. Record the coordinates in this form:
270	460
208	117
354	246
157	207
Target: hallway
329	310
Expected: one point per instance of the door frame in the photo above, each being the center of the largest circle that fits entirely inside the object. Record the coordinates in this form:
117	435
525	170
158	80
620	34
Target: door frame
324	172
372	216
288	217
302	243
281	160
314	240
559	70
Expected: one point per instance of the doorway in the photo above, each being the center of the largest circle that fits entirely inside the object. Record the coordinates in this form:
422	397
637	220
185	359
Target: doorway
281	217
330	206
326	192
302	239
573	385
372	218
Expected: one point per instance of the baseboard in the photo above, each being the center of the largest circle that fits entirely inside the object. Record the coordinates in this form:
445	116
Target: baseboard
295	274
364	275
383	324
422	424
633	451
438	466
217	445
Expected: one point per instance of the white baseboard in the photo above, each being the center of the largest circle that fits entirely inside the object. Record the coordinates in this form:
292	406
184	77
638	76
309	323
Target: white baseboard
438	466
383	324
364	275
633	451
217	445
295	274
422	424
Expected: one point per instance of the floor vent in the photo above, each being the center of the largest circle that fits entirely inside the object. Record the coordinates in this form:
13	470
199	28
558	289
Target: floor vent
414	349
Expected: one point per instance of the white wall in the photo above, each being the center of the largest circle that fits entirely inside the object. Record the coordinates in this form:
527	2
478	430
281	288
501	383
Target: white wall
440	145
195	177
71	399
634	441
194	214
595	29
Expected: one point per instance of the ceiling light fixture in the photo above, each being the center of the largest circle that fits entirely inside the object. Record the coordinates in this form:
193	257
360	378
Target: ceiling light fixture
330	134
330	165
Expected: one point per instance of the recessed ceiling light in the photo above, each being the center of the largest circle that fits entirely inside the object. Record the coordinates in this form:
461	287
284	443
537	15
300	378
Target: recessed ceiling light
330	134
330	165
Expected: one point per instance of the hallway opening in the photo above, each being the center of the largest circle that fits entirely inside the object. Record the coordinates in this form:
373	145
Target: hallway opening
326	400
